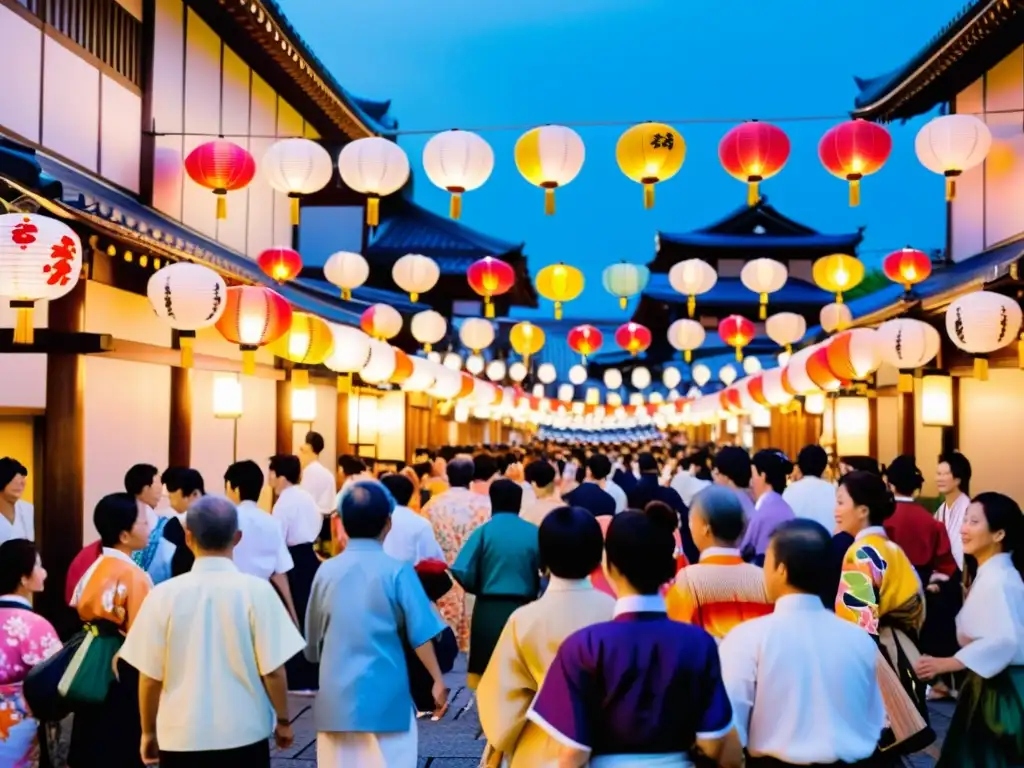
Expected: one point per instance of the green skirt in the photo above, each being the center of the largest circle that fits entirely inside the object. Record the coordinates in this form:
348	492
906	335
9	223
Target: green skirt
490	614
987	730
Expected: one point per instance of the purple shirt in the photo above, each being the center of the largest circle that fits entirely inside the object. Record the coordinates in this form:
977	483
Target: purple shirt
769	513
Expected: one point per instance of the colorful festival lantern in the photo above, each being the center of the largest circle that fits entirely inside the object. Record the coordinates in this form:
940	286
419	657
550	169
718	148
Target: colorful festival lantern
559	283
381	322
253	317
526	339
772	387
221	166
755	388
785	329
854	355
686	335
700	374
490	277
837	273
476	334
764	276
835	317
457	162
907	344
952	144
625	280
428	328
280	264
415	274
347	271
736	331
187	297
649	153
981	323
549	157
853	150
374	167
633	337
297	167
381	365
585	340
753	152
692	277
308	341
403	367
819	371
796	376
350	351
907	266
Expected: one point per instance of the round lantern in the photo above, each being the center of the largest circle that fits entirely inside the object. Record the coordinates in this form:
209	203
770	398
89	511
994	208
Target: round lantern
526	339
566	392
853	355
907	266
786	329
648	153
671	377
819	371
220	166
457	162
853	150
751	365
686	335
907	344
753	152
559	283
549	157
346	270
280	264
447	383
692	277
374	167
475	364
297	167
428	328
736	331
727	374
253	317
546	373
350	352
835	317
952	144
640	378
585	340
186	296
763	276
381	364
755	388
422	377
837	273
982	322
496	370
308	341
452	361
381	321
415	274
772	388
796	375
625	280
578	374
730	400
700	374
490	277
517	371
476	333
612	378
633	337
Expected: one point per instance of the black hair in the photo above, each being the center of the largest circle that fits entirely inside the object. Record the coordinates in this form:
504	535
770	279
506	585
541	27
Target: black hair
115	514
960	468
571	544
246	477
506	496
315	441
365	510
460	472
421	468
184	479
869	490
805	548
904	476
138	477
812	460
17	561
350	465
641	550
10	469
540	473
287	466
775	466
647	463
734	463
484	467
862	464
600	466
400	486
504	461
1002	514
700	459
663	515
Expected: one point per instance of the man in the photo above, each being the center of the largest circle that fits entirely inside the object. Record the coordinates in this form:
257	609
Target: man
184	487
833	712
17	516
808	495
688	481
767	482
733	470
318	481
198	710
648	489
720	591
541	476
143	482
595	486
599	470
953	478
411	539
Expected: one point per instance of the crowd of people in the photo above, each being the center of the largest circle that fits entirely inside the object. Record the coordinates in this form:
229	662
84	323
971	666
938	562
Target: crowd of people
657	604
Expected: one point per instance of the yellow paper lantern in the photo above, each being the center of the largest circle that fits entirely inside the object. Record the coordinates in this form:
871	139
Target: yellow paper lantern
648	153
838	273
559	283
549	157
309	341
526	339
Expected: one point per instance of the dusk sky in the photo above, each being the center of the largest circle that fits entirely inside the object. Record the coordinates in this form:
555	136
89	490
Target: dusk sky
476	63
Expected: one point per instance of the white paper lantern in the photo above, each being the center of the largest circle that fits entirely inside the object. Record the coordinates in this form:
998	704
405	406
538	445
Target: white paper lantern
381	365
434	357
476	333
686	335
546	373
538	391
374	167
952	144
517	371
751	365
475	364
727	374
764	276
297	167
671	377
614	399
787	328
457	162
640	377
422	377
814	403
496	370
796	371
906	344
835	317
566	392
625	280
452	361
692	277
351	350
656	398
447	383
854	353
771	386
549	157
381	321
187	297
613	378
346	270
428	328
415	273
577	374
700	374
982	322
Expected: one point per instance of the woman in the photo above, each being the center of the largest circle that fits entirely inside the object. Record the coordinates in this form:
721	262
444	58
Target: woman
879	590
769	470
640	690
17	517
109	596
987	730
26	640
662	514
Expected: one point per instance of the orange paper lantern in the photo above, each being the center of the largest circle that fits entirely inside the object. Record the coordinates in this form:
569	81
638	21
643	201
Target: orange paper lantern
253	317
403	367
468	382
907	266
280	264
755	386
820	373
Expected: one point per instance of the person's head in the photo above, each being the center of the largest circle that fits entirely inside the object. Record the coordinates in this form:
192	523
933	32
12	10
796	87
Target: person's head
349	466
571	544
13	475
21	570
184	485
953	474
732	467
992	525
716	518
365	510
506	496
646	463
460	472
121	522
862	500
903	476
438	466
798	560
400	488
143	482
243	481
541	476
771	467
422	470
599	467
639	554
211	527
812	461
848	464
484	468
311	448
285	471
663	515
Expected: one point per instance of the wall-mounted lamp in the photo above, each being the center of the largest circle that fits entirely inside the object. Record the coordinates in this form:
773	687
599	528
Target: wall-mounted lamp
937	400
227	404
304	405
852	426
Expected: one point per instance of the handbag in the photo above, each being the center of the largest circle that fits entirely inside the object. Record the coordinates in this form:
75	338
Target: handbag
42	681
88	676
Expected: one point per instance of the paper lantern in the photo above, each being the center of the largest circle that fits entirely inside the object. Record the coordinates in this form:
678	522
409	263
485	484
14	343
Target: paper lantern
253	317
549	157
753	152
517	371
751	365
415	274
633	337
297	167
774	391
686	335
496	370
374	167
422	377
475	364
403	367
187	297
476	333
578	374
566	392
381	364
612	378
457	162
585	340
220	166
428	327
853	150
729	399
346	270
763	276
796	377
727	374
736	331
907	266
546	373
308	341
648	153
452	361
490	277
671	377
280	264
625	280
692	277
434	357
350	352
447	383
814	403
819	371
640	378
907	344
982	322
559	283
700	374
952	144
837	273
853	355
835	317
381	321
755	388
526	339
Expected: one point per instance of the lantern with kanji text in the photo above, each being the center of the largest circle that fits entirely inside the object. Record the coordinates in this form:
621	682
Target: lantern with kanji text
490	277
736	331
907	266
188	297
221	166
280	264
853	150
585	340
633	337
753	152
981	323
254	316
649	153
906	344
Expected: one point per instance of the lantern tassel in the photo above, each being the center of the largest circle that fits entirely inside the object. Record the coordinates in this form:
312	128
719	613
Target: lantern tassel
648	196
222	206
249	361
455	205
427	347
687	356
344	383
549	201
295	211
24	333
981	368
372	211
488	308
950	188
753	195
854	193
691	305
905	383
414	297
558	310
300	378
764	306
739	355
623	302
346	294
839	298
187	345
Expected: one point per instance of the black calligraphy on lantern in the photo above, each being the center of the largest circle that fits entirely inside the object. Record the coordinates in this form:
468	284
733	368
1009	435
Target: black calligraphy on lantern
63	256
24	233
663	140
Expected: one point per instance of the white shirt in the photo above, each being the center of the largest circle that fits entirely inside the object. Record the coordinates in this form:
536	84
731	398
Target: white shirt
688	485
209	636
319	481
24	525
814	499
613	490
411	539
262	552
833	710
299	516
952	516
990	626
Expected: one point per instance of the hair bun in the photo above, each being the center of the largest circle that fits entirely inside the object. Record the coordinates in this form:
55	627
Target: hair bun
889	505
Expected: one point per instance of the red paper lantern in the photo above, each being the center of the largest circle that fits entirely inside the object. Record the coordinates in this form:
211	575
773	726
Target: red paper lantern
736	331
853	150
221	166
633	337
819	371
755	386
585	340
253	317
753	152
907	266
280	264
730	400
490	277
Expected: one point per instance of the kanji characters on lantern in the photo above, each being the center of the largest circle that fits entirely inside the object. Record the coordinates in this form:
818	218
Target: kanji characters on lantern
187	297
981	323
649	153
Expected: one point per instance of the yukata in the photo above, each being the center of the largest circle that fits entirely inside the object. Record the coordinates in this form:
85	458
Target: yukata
26	639
157	559
770	511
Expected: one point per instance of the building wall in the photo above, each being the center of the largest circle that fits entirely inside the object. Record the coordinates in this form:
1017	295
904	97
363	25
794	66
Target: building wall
326	423
888	429
927	445
992	431
23	383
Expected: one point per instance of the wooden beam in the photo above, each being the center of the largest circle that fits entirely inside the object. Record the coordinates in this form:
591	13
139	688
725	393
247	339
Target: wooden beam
179	450
283	412
341	435
122	349
50	341
908	437
951	435
873	426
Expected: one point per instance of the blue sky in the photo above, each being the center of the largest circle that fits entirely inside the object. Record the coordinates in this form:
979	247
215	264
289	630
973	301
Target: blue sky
472	63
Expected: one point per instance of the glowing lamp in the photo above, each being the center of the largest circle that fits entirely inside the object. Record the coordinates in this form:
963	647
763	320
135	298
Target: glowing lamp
227	396
549	157
381	321
422	376
625	280
834	317
820	373
496	370
566	392
633	337
640	377
526	339
814	404
755	388
736	331
907	266
613	378
187	297
253	317
476	334
452	361
753	152
490	277
686	335
727	374
374	167
346	270
303	404
280	264
381	364
751	365
297	167
838	273
796	377
982	322
937	400
220	166
773	389
853	355
649	153
578	375
764	276
559	283
308	341
428	328
907	344
700	374
349	353
952	144
671	377
403	367
457	162
852	426
546	373
415	274
517	371
692	277
853	150
585	340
